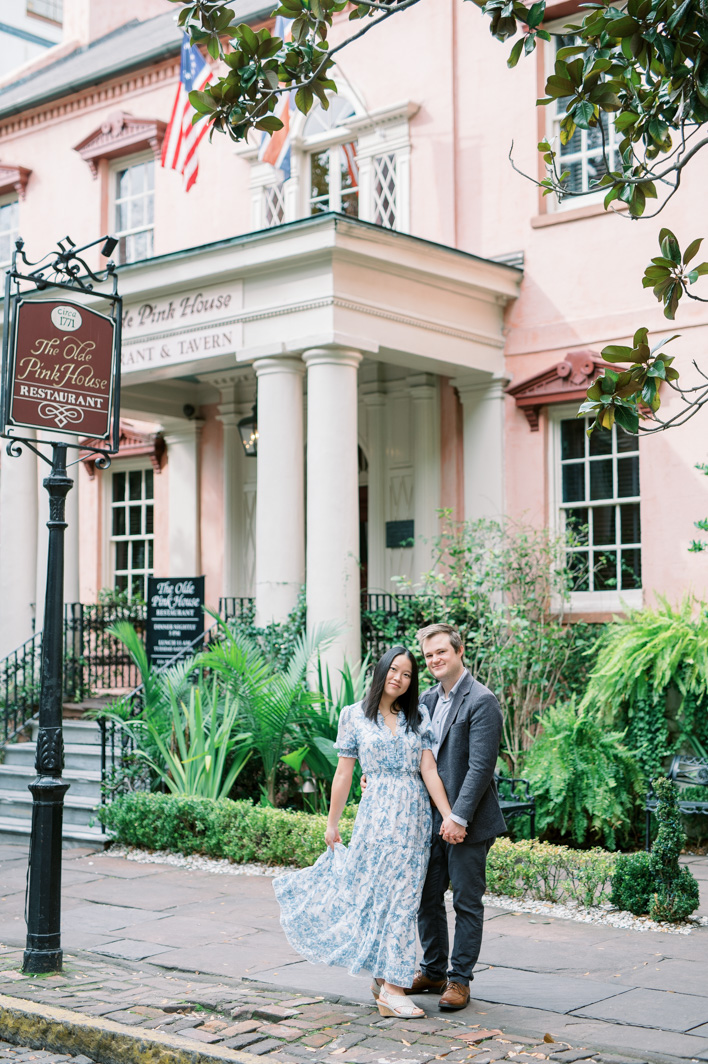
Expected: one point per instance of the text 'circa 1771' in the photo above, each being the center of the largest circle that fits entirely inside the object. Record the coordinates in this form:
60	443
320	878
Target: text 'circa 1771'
63	369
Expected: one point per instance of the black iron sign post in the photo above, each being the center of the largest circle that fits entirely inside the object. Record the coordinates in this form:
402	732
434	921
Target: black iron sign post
61	375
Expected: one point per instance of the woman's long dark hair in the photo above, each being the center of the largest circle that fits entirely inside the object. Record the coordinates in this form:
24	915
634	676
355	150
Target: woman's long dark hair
407	702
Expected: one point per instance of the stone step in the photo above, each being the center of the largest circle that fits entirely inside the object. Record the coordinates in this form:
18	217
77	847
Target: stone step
78	809
76	732
16	828
77	756
83	784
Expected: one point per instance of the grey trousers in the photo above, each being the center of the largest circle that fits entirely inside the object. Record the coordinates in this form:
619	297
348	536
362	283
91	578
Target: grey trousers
463	865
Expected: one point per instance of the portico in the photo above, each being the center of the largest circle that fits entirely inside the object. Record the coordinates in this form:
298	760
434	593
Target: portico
347	336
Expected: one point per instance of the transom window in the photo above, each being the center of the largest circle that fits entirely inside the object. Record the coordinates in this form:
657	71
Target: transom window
9	230
584	154
132	530
135	211
600	506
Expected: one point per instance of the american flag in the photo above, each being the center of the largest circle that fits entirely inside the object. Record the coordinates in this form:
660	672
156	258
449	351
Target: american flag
179	149
275	148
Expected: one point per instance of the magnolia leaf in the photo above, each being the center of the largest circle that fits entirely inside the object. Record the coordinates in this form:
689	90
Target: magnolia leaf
692	250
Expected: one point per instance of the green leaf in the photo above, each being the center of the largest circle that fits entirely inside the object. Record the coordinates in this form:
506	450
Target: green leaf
627	419
669	245
202	102
515	53
701	270
536	13
692	250
614	353
248	38
583	113
269	124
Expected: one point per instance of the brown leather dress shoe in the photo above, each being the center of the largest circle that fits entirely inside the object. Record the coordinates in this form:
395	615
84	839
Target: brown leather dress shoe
454	996
423	985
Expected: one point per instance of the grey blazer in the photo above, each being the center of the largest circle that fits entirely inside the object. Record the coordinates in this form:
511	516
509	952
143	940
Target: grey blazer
467	758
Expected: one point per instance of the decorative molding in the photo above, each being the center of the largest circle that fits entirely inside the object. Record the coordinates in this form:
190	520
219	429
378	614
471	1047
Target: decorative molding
96	96
131	444
14	179
563	383
121	134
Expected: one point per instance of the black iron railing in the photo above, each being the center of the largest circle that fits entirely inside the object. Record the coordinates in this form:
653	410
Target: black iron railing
384	621
241	610
19	686
94	660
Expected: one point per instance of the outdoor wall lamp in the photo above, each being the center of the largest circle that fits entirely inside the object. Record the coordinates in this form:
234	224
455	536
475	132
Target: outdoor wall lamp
248	430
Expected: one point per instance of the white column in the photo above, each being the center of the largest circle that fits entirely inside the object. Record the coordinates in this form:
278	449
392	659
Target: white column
333	499
375	403
18	550
233	457
183	507
280	496
426	468
483	445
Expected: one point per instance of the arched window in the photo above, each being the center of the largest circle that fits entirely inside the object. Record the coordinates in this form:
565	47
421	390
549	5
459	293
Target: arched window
333	165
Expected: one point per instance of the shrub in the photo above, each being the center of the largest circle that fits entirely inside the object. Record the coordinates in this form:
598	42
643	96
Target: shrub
241	832
651	677
549	873
585	780
655	883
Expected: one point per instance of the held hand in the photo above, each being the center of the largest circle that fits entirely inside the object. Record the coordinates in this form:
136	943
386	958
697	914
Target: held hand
332	836
363	784
452	832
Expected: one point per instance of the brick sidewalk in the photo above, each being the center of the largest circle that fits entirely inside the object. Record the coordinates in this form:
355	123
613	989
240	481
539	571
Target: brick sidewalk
262	1020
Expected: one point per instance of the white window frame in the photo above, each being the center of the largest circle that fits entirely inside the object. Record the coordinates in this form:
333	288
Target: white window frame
553	120
125	163
7	201
610	601
49	10
384	131
127	466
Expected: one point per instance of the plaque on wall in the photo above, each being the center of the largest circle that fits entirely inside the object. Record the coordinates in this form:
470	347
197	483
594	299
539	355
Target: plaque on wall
175	616
400	533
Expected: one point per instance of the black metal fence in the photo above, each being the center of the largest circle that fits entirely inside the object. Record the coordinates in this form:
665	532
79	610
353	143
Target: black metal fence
94	660
385	619
19	686
240	610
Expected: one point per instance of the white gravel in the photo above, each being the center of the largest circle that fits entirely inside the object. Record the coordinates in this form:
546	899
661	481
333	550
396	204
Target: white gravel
599	914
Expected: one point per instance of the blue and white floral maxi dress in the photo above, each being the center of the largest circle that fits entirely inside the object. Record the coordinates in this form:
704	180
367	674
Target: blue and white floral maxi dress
357	906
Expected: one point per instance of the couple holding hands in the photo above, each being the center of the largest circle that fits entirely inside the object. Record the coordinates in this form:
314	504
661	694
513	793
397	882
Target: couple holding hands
357	905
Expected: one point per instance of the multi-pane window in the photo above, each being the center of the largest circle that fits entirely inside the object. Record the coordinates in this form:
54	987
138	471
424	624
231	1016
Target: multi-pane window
135	211
334	180
9	229
583	157
49	9
599	488
274	203
132	530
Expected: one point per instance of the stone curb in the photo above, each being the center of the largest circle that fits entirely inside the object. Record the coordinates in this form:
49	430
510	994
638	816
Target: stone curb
105	1041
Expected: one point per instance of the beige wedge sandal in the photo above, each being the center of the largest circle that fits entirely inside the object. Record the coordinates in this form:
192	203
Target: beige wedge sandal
397	1005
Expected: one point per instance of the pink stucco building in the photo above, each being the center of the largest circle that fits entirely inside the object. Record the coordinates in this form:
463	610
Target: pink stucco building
415	329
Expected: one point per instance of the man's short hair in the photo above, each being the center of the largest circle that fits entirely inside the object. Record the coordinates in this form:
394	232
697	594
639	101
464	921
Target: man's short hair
440	629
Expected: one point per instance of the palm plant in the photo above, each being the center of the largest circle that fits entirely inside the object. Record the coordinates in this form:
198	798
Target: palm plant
191	752
274	706
195	762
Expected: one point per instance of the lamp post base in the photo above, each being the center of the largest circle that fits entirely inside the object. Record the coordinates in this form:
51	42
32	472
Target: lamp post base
40	961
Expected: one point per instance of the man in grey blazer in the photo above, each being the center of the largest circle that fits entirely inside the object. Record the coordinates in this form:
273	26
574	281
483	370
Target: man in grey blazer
467	722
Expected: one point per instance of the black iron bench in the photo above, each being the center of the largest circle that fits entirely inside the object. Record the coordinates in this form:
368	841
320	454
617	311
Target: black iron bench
686	771
515	799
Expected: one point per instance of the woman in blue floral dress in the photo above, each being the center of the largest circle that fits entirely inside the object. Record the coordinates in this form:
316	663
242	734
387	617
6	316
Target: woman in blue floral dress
357	905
